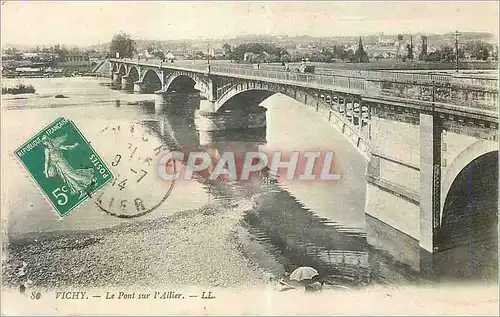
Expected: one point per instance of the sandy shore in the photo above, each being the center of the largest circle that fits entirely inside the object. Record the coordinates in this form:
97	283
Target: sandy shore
199	247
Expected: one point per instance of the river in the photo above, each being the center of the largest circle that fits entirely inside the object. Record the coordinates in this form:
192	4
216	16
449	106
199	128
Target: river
289	224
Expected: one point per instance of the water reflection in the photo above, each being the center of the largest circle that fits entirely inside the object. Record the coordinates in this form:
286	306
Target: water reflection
293	234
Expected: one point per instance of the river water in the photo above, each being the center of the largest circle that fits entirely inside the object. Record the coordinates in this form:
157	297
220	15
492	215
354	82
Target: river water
315	224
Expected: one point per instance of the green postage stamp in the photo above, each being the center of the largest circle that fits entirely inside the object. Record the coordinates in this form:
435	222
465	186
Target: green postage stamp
64	165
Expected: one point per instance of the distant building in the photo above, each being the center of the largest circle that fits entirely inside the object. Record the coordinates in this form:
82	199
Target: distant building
248	56
30	55
96	55
384	41
169	55
217	52
76	58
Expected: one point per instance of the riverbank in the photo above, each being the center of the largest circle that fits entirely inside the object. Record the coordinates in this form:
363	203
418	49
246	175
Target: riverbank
18	89
198	247
52	75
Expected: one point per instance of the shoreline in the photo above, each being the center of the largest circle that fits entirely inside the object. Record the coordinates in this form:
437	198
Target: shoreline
200	247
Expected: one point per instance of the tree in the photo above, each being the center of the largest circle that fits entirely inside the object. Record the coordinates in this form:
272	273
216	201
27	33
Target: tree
11	51
258	49
227	49
340	52
123	45
423	52
360	55
158	55
445	54
61	51
286	58
400	38
479	50
349	56
409	49
74	50
433	57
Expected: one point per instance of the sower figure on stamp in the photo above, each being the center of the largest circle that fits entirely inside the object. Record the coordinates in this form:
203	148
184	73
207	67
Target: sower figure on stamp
77	180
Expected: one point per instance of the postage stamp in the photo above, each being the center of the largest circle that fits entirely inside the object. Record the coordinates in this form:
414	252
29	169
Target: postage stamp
63	165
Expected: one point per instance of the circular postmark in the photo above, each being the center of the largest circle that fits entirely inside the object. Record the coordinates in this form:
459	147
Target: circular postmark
132	151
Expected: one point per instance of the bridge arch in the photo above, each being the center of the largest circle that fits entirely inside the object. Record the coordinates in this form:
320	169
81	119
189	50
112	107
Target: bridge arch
122	69
152	80
467	156
469	209
151	73
249	97
189	79
134	73
180	83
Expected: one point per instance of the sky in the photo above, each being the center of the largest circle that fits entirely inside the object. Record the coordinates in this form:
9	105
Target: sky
92	22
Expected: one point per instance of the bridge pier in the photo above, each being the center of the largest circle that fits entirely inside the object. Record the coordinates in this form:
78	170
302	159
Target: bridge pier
248	140
207	106
116	79
178	100
404	186
126	83
392	207
230	120
138	87
430	178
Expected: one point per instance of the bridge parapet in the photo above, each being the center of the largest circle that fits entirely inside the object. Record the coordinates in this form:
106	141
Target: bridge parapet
203	68
465	90
462	91
458	95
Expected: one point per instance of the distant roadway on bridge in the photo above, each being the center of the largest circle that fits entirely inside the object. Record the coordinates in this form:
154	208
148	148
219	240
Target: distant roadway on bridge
333	68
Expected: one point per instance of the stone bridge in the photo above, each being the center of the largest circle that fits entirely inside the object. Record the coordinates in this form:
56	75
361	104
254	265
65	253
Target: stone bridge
429	139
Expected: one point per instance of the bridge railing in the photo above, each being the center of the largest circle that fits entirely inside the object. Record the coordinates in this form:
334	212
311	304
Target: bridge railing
438	79
312	80
187	66
274	71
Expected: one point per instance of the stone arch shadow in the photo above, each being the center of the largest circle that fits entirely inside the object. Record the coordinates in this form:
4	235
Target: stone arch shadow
181	83
471	153
134	73
469	211
152	80
244	99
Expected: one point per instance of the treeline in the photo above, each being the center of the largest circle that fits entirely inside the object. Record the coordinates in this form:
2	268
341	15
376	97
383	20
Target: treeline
477	50
19	89
265	53
55	52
